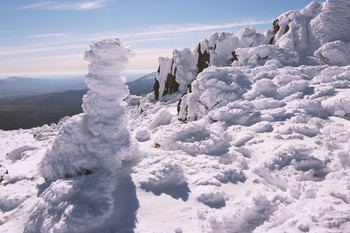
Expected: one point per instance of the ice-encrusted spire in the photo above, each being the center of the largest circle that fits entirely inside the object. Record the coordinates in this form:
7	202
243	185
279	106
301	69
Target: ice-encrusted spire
98	139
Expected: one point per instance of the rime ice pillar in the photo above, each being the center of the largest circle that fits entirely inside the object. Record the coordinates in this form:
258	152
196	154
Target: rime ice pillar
97	140
103	114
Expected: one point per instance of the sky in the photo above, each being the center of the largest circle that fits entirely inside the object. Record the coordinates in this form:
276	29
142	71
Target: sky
48	38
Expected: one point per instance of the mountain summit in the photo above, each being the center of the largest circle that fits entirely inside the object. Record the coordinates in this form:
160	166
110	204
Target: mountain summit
244	133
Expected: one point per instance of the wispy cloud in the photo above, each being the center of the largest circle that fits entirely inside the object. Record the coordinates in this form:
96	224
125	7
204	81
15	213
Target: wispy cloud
13	51
172	29
156	33
67	5
47	35
10	31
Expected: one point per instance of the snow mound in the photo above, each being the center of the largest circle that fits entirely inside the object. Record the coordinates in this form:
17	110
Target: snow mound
78	205
338	105
335	53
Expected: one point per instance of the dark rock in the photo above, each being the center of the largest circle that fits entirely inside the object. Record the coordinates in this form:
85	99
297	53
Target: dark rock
286	29
189	86
276	26
156	89
203	59
171	86
189	90
234	57
6	172
85	172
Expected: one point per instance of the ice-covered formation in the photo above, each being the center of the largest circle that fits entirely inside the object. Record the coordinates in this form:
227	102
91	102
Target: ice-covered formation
89	151
317	34
177	73
320	29
98	140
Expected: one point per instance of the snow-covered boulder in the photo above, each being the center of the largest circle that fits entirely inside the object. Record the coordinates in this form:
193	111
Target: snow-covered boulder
334	53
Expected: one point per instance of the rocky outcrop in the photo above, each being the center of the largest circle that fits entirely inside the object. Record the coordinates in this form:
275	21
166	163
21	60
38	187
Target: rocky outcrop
170	85
276	26
156	89
203	59
308	36
176	73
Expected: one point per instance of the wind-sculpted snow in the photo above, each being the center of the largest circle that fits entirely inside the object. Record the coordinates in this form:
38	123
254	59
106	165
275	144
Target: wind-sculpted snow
87	153
315	26
97	140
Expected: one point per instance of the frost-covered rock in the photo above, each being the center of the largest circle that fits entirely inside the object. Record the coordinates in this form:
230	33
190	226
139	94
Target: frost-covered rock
175	74
259	55
214	87
317	24
178	73
334	53
314	35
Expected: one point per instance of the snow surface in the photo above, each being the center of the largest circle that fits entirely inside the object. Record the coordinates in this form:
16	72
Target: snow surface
258	144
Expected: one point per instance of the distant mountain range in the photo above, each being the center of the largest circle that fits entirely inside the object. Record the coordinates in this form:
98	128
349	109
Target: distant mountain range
143	85
31	102
19	86
32	111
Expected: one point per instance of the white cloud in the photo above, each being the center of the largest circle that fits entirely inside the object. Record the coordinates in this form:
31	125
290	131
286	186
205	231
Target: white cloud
47	35
37	5
153	35
171	29
13	51
68	5
64	52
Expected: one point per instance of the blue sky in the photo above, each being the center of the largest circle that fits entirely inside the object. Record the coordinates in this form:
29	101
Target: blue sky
48	38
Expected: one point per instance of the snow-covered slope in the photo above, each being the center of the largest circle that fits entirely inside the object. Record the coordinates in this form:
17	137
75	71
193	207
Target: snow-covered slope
246	133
